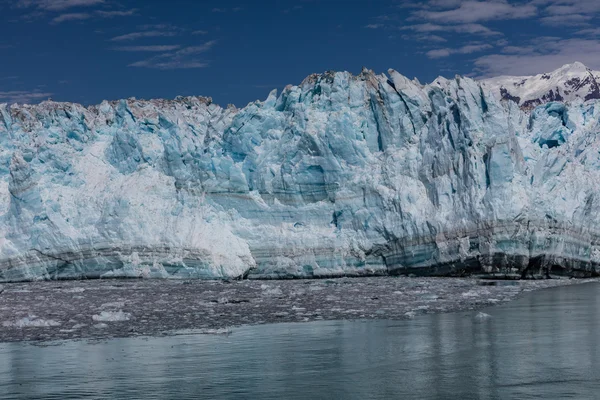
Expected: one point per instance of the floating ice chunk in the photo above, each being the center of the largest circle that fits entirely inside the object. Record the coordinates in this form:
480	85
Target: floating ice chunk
100	326
115	304
112	316
429	296
31	321
74	290
480	316
271	291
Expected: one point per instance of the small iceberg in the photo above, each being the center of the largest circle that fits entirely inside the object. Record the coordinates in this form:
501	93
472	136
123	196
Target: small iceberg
480	316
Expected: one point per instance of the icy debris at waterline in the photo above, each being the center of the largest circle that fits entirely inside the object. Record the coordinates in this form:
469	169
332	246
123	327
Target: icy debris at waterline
173	307
341	175
112	316
31	321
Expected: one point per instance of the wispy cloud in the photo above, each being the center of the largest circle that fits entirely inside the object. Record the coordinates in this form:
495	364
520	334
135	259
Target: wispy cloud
143	34
468	49
71	17
224	10
87	15
57	5
184	58
568	7
21	96
292	9
165	65
567	20
196	49
592	32
41	8
430	38
148	27
116	13
157	49
200	32
463	28
475	11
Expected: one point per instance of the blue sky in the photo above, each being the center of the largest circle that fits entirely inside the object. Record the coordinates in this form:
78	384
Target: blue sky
237	51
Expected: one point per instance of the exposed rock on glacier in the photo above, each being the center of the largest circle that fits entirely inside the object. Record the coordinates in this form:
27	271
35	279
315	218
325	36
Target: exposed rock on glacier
341	175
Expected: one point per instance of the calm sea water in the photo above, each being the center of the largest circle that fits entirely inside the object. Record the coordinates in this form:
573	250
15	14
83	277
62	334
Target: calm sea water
544	345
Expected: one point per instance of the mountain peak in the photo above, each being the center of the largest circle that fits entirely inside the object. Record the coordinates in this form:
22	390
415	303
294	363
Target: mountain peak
575	67
570	82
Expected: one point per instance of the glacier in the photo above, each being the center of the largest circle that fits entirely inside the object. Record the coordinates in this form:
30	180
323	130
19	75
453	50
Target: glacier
342	175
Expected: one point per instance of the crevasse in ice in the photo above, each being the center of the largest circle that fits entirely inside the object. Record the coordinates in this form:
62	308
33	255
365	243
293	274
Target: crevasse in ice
341	175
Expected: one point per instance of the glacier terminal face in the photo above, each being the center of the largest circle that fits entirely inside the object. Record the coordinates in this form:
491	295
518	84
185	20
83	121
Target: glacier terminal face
341	175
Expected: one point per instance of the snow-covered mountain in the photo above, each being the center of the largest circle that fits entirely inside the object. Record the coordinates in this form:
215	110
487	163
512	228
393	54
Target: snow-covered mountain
340	175
570	82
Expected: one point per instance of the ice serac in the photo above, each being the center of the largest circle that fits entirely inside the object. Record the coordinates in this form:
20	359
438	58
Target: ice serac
340	175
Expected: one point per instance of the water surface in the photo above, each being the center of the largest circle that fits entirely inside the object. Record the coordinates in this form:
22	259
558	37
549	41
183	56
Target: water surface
543	345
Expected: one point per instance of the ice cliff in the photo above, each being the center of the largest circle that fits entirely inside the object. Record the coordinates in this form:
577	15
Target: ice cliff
340	175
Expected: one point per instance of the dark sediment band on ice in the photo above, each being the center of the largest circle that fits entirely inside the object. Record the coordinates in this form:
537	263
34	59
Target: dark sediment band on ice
511	249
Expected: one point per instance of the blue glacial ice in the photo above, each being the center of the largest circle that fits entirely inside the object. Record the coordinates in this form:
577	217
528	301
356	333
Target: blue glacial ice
340	175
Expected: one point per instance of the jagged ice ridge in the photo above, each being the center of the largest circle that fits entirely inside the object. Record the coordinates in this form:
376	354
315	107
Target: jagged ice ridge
341	175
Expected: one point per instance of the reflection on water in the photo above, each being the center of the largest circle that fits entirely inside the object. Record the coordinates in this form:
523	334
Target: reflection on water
544	345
